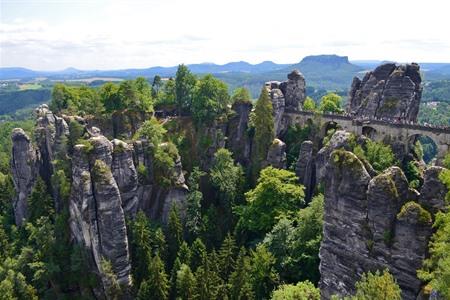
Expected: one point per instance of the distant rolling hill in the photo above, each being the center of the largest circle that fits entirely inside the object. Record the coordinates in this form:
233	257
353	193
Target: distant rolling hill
328	72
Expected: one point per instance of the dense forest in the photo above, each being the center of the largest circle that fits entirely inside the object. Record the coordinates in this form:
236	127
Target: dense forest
248	231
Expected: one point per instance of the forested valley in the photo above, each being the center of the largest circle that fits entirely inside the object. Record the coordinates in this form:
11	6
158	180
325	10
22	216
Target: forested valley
178	189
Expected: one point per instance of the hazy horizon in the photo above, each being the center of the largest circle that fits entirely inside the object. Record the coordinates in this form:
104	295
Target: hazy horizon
103	35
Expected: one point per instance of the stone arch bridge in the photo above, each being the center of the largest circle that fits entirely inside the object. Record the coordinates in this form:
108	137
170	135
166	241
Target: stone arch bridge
378	130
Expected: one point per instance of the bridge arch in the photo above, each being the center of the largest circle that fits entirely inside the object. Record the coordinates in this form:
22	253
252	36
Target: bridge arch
421	144
327	126
370	132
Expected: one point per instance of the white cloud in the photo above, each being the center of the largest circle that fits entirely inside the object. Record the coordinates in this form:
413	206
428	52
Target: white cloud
124	34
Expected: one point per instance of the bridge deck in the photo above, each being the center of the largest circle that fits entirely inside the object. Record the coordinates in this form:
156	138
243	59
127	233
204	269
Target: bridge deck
363	122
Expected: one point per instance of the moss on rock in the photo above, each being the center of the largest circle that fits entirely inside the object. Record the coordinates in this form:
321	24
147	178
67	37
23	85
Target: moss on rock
415	210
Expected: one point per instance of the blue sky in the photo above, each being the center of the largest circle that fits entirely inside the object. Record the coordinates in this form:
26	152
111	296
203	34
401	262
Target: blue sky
100	34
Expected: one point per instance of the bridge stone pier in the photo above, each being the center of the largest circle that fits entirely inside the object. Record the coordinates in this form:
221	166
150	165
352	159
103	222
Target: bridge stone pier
378	130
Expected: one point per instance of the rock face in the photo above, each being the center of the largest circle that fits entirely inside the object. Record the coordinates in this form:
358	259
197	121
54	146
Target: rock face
278	104
239	141
294	90
154	199
276	156
286	95
24	169
110	181
125	175
97	219
339	140
390	91
370	224
51	134
305	168
433	191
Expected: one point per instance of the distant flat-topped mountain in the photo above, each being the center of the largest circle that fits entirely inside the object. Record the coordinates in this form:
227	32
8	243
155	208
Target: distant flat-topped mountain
331	71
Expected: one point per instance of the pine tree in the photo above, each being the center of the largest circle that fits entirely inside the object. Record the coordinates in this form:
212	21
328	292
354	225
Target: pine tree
264	129
159	244
185	284
112	287
194	199
173	278
156	287
40	203
227	255
184	254
174	233
264	276
198	250
240	280
141	248
207	279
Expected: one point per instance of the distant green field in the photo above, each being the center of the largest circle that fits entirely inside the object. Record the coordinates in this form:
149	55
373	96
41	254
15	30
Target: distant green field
30	86
12	101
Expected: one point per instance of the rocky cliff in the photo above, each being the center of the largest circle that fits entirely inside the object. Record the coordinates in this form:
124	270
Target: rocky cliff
373	222
389	91
106	187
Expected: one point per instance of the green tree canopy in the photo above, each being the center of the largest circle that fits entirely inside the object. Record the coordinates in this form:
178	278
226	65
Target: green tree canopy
241	95
157	285
301	291
210	99
331	103
377	285
296	242
184	88
309	104
226	176
277	194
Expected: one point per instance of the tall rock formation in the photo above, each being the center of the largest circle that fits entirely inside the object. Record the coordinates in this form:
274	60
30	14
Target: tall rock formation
294	90
390	91
24	169
97	219
286	95
238	139
305	168
110	180
370	223
125	175
51	134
